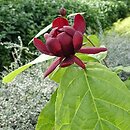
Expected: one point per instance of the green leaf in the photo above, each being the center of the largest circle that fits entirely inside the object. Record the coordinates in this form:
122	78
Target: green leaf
57	74
86	58
95	99
46	119
14	73
99	56
91	40
42	31
94	39
92	57
127	83
8	78
118	69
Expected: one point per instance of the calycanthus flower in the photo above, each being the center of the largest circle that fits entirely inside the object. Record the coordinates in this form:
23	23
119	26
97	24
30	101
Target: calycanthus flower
64	41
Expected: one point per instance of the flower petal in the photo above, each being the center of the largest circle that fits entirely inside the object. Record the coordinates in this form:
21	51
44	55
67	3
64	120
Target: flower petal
41	46
92	50
59	22
67	62
79	62
46	36
77	40
79	23
69	30
52	66
54	46
54	32
66	43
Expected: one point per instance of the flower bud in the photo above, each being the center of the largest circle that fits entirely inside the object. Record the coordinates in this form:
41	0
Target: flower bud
62	11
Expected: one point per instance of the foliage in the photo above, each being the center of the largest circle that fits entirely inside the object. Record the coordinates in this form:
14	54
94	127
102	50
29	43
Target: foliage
104	13
118	49
17	16
18	110
117	41
22	100
25	18
46	119
122	26
14	53
5	56
14	73
88	100
127	2
91	39
127	83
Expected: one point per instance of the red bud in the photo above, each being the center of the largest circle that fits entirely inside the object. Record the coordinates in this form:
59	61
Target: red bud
62	11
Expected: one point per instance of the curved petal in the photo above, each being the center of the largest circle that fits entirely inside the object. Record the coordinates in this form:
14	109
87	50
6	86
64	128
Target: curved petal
52	66
53	45
59	22
77	40
46	36
79	23
66	43
41	46
69	30
79	62
67	62
92	50
54	32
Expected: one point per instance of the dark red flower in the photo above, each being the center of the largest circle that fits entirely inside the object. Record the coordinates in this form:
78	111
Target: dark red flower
64	41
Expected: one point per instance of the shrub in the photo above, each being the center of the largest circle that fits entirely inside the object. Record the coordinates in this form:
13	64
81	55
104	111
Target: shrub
118	49
22	100
16	53
25	18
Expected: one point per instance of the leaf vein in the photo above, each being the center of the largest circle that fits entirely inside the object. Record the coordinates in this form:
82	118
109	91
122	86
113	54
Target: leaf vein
93	100
112	104
78	107
110	123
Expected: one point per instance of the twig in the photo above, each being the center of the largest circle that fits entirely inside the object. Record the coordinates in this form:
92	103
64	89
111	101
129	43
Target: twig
89	41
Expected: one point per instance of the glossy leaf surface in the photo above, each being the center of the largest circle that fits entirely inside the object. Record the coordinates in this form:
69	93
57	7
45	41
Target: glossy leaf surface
93	100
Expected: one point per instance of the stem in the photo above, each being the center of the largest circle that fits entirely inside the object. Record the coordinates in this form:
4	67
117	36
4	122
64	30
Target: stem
105	63
89	41
94	46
